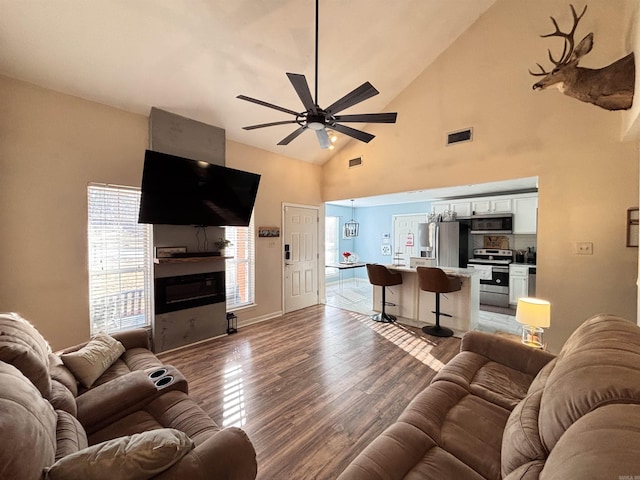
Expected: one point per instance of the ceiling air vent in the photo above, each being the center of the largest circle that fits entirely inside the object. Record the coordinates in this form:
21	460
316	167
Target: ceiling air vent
465	135
355	162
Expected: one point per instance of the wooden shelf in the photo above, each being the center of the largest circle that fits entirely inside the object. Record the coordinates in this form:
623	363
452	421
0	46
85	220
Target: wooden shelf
214	258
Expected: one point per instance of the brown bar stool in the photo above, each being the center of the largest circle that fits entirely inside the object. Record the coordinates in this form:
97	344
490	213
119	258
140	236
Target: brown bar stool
435	280
383	277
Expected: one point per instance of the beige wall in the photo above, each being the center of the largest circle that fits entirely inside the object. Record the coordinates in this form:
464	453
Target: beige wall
51	147
283	180
587	176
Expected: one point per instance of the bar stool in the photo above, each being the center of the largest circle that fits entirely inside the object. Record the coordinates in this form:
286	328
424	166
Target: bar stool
436	281
383	277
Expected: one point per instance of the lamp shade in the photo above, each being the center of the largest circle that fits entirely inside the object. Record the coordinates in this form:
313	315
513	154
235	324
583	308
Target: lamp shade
534	312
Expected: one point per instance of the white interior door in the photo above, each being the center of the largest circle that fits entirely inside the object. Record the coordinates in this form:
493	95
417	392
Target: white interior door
406	242
300	257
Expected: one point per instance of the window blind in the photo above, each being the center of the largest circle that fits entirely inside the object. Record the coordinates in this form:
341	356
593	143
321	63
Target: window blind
240	271
120	268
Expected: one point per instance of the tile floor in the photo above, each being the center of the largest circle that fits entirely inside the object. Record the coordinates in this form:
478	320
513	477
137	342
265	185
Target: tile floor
356	295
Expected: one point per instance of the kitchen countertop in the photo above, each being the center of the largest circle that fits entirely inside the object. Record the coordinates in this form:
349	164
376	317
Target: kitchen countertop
460	272
523	264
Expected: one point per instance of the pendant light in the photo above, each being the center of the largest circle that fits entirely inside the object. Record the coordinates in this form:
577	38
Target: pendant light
351	227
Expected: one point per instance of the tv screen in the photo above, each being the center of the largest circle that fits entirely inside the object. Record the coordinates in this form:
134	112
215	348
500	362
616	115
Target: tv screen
180	191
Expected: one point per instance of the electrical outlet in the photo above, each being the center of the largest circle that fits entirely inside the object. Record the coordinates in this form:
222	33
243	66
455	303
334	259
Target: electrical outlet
584	248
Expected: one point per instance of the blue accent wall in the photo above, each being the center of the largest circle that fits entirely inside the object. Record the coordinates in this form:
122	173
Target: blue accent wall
374	222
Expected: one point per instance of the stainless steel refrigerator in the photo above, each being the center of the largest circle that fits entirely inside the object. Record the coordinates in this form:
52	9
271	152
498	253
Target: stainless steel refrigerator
445	242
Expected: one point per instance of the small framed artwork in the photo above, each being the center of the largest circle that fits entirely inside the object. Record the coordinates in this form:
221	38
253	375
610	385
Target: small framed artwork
268	231
633	227
167	252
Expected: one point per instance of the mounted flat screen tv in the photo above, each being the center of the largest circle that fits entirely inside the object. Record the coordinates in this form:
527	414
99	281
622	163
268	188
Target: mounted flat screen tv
180	191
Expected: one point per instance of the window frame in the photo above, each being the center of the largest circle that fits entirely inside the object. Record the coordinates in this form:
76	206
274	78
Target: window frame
231	266
112	265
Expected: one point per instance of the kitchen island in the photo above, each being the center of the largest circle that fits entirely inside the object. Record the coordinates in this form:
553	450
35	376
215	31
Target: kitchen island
415	307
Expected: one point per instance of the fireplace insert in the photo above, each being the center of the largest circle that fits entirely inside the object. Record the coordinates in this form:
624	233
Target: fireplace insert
188	291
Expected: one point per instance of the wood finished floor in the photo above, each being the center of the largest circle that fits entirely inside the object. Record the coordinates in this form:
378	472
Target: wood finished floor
311	388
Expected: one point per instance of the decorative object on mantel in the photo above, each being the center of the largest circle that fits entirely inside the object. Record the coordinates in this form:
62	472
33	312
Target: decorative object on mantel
611	87
351	227
168	252
268	231
633	227
221	244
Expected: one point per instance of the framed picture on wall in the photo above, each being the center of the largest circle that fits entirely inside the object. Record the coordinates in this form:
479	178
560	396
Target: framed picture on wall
268	231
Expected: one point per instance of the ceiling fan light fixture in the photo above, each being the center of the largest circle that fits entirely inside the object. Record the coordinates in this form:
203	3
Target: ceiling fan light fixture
315	122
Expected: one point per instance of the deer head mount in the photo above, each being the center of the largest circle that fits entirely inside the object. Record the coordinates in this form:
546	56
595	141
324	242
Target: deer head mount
610	87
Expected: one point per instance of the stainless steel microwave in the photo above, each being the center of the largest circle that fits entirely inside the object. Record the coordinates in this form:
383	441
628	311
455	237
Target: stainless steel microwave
492	223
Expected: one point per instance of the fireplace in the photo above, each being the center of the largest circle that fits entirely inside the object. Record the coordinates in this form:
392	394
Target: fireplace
188	291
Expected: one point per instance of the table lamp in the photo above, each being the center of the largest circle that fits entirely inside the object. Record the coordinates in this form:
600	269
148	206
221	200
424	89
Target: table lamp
534	315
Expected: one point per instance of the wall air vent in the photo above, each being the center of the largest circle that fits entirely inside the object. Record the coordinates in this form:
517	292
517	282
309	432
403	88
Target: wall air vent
355	162
465	135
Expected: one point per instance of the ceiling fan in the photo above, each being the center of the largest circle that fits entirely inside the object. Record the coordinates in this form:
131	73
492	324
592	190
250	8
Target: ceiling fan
319	119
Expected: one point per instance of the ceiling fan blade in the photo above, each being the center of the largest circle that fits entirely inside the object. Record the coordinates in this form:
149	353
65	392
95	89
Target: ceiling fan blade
288	138
266	104
262	125
301	86
323	138
364	91
368	118
352	132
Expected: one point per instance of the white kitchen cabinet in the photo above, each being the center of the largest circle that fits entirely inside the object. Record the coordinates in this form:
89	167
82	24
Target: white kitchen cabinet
518	283
525	215
491	205
440	207
462	208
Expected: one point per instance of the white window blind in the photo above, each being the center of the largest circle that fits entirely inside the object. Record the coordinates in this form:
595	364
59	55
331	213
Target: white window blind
240	271
120	268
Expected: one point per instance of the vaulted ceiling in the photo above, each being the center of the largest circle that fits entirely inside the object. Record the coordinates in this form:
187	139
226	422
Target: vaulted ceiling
193	57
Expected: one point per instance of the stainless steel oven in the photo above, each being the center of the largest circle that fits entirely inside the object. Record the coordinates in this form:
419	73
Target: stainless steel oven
493	268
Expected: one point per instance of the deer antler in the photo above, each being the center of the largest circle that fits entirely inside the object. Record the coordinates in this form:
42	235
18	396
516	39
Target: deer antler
569	42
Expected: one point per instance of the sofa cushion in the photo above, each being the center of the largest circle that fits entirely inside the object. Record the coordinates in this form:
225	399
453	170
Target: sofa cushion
604	443
62	374
62	399
135	457
444	432
28	426
598	365
92	360
493	381
521	440
173	409
22	346
70	435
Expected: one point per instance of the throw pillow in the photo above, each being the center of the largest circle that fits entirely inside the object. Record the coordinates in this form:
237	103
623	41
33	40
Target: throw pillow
92	360
135	457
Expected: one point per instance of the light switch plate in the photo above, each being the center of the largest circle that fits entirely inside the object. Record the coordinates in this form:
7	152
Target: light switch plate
584	248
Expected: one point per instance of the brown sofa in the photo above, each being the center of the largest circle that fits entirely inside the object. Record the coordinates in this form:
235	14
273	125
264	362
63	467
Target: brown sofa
500	409
135	420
